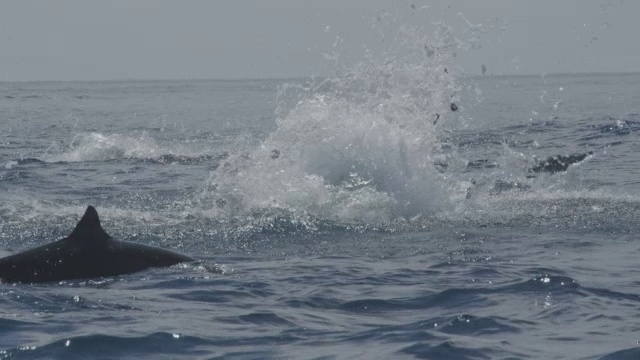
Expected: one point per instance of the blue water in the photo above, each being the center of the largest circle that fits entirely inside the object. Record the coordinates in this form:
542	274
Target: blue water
333	218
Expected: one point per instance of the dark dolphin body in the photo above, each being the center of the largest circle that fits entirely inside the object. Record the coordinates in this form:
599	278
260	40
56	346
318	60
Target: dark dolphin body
549	165
558	163
89	252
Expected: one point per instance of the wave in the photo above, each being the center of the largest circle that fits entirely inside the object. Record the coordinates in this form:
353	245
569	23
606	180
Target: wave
626	354
95	146
27	97
609	127
157	346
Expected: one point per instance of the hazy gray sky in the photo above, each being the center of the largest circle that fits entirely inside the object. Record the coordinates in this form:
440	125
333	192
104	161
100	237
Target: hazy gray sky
161	39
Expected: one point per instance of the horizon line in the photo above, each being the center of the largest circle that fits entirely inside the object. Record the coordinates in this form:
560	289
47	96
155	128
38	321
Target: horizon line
233	79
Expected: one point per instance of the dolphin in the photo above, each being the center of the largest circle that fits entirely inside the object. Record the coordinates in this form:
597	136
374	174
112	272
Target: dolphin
88	252
558	163
550	165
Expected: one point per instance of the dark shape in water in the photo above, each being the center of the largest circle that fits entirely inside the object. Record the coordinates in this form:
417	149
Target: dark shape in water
89	252
558	163
454	107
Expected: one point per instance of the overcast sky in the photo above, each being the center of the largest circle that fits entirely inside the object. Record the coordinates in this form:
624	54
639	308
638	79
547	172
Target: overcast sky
193	39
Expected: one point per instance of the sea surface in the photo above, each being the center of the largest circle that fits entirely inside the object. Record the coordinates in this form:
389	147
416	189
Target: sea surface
345	217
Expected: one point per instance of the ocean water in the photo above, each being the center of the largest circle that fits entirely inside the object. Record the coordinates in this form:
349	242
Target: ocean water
354	216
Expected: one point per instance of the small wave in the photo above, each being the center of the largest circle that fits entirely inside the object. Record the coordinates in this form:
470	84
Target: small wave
614	295
475	326
265	318
27	97
36	96
170	159
450	298
545	283
429	329
157	346
219	296
611	127
11	325
626	354
100	147
416	331
28	161
446	350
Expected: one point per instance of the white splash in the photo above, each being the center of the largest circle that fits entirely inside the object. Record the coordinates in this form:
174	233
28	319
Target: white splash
354	147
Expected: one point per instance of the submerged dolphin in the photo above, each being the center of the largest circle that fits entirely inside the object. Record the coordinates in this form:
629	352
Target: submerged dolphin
559	163
89	252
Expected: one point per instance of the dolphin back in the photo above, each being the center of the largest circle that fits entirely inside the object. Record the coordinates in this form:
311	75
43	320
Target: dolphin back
88	252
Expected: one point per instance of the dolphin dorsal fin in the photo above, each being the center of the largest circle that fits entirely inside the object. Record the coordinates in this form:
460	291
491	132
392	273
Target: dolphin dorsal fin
89	226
